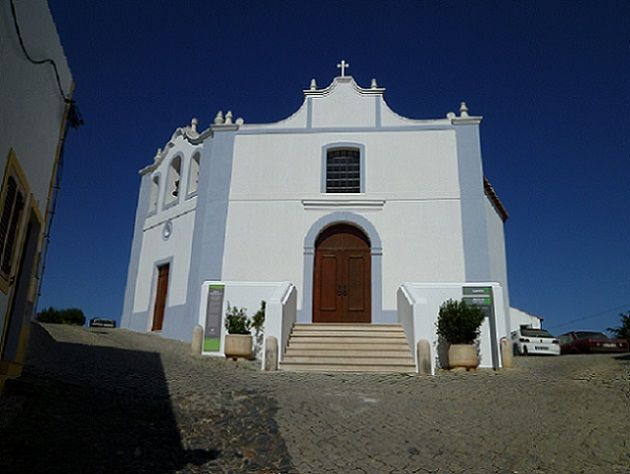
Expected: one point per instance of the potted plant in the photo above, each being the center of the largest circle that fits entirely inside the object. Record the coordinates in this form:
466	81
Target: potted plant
458	323
238	340
257	324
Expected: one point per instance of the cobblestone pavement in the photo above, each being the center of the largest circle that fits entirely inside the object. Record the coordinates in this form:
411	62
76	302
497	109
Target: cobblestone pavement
116	401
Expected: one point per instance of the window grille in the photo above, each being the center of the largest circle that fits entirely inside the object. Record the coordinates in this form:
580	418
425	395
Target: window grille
343	173
9	220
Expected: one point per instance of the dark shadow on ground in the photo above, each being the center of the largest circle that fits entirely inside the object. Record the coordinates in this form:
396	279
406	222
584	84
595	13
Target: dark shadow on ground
84	421
624	357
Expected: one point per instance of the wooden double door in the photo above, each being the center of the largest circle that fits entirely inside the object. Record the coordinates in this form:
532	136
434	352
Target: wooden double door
342	287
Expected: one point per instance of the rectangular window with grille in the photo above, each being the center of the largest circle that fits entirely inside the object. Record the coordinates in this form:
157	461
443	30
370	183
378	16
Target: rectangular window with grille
343	173
12	204
9	232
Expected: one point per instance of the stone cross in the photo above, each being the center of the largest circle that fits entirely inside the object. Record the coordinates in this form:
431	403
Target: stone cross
343	65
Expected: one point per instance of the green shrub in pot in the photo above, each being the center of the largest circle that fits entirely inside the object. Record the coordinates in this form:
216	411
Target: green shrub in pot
459	324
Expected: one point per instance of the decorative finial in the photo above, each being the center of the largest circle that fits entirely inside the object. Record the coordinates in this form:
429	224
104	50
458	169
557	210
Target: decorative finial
313	84
157	153
228	117
463	110
343	65
218	120
240	121
451	115
374	84
193	124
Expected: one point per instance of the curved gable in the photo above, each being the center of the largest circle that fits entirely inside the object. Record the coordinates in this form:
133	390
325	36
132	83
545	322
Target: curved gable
344	104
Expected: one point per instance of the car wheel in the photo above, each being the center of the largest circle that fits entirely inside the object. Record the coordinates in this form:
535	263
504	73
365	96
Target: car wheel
524	350
515	349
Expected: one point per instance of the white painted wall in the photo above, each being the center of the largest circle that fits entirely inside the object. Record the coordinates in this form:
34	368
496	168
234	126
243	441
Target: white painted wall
496	252
405	305
422	241
413	172
263	241
420	164
32	109
157	250
519	317
425	299
342	106
280	316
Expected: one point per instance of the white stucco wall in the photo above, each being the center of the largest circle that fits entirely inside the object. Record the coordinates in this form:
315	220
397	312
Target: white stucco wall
419	305
157	250
414	164
496	252
260	246
343	107
519	317
276	197
32	109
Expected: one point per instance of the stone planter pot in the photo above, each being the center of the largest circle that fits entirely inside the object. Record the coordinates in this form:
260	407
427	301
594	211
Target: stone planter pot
462	356
238	345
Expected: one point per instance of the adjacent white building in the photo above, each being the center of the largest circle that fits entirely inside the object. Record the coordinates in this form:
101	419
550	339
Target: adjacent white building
34	107
345	200
521	318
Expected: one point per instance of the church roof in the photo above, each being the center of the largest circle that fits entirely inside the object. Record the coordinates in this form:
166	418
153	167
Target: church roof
340	81
344	104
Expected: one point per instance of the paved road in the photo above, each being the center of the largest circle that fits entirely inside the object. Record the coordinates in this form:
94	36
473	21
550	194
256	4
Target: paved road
115	401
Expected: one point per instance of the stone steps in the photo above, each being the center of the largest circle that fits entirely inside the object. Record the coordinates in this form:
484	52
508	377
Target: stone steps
409	369
350	338
332	345
371	328
336	352
349	333
348	348
356	360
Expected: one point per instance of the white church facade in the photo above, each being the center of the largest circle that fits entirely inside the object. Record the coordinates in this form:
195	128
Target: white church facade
357	215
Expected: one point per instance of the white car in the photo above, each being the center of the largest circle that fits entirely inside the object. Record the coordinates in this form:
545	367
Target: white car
534	341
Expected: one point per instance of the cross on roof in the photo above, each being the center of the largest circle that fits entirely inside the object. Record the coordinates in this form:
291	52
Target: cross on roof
343	65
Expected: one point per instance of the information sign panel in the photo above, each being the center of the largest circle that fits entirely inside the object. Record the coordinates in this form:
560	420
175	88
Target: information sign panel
481	297
214	312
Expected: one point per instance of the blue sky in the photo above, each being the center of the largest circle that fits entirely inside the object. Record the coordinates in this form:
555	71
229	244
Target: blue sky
552	80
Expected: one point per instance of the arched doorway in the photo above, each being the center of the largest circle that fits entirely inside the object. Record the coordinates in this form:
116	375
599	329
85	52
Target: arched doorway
342	273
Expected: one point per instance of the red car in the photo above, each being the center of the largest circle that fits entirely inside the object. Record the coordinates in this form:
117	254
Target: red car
579	342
